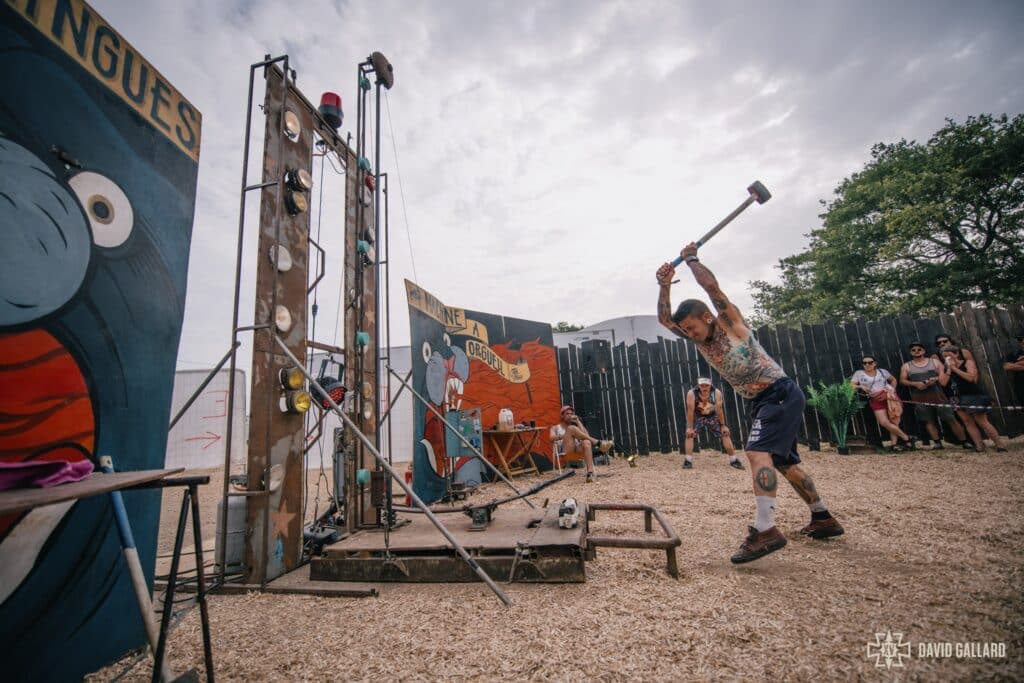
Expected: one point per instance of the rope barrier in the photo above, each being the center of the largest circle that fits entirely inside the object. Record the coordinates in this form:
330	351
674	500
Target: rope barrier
954	407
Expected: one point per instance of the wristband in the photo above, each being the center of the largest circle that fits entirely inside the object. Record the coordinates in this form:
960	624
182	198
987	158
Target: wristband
690	259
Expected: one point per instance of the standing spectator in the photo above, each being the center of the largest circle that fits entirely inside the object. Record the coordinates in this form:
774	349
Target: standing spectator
923	376
1013	363
969	400
876	383
704	410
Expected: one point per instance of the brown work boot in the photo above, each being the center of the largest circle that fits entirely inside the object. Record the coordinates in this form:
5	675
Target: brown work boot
823	528
759	544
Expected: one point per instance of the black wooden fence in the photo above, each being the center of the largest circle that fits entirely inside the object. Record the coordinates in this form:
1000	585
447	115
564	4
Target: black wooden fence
636	393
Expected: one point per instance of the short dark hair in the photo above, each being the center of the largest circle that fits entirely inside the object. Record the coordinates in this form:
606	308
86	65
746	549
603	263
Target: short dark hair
868	355
690	307
947	336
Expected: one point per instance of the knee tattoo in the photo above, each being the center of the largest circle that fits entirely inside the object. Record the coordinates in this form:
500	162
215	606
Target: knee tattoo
765	478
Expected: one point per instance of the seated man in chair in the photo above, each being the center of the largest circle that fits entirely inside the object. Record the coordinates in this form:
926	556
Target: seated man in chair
576	440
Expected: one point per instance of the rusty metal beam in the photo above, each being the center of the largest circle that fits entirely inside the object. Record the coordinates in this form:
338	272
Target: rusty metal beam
319	346
549	566
669	543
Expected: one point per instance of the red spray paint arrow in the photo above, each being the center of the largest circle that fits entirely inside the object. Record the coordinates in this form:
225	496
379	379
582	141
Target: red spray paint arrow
209	436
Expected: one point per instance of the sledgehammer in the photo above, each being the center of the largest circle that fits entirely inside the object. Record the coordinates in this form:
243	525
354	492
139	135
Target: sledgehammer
758	193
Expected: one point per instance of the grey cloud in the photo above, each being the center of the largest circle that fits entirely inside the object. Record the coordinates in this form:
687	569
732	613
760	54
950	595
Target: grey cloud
597	127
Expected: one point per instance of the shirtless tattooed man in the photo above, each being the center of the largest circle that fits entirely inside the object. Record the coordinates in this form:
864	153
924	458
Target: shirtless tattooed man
776	404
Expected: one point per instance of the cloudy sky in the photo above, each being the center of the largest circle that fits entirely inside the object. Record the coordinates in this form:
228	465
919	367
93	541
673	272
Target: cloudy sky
552	155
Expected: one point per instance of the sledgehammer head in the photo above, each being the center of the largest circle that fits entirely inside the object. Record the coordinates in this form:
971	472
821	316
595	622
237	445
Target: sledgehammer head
759	192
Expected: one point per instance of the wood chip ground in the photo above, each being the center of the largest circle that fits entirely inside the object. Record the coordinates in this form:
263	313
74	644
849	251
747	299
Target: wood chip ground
934	550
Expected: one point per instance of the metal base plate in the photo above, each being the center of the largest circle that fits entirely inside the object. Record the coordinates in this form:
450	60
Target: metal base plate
521	545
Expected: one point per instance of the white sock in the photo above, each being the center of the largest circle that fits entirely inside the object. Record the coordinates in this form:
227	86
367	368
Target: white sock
765	512
688	458
733	458
818	507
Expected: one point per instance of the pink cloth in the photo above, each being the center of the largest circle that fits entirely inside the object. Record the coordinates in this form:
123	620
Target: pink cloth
42	474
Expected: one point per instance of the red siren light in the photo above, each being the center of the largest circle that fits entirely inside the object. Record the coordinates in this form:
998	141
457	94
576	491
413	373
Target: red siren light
330	109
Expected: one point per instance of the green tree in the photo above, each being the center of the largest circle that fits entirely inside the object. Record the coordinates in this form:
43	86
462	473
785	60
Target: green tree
562	326
922	228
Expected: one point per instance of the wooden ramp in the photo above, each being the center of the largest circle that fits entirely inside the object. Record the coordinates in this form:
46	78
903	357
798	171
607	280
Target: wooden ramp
518	545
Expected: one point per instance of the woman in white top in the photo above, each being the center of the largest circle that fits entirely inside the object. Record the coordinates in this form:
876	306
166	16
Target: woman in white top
874	381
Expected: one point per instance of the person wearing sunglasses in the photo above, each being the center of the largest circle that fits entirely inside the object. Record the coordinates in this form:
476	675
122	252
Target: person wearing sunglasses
942	340
969	400
924	377
876	382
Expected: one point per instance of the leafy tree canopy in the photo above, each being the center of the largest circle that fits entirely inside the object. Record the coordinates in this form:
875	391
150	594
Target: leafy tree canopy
562	326
922	228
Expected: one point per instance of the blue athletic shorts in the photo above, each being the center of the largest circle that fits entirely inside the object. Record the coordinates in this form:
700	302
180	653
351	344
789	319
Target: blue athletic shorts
708	422
776	416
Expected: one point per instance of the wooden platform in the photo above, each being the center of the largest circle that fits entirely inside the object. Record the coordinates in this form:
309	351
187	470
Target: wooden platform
526	545
17	500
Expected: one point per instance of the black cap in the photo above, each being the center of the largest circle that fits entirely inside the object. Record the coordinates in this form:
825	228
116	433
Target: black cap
915	343
1020	335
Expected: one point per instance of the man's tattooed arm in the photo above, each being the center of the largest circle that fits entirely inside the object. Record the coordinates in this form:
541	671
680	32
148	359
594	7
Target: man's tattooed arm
664	305
709	283
665	309
727	313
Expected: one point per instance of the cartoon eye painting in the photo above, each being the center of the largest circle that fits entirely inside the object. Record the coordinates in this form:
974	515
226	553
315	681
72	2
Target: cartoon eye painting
95	227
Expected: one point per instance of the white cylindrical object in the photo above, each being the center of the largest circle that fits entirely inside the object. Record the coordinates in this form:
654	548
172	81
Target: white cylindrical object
233	541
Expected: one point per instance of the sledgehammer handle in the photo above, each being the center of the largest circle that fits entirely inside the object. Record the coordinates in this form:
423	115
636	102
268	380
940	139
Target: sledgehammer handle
758	193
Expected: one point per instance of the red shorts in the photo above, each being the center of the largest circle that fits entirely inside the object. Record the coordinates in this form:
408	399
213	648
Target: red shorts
878	403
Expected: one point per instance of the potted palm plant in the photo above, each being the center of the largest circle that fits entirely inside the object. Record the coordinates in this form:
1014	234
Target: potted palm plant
837	403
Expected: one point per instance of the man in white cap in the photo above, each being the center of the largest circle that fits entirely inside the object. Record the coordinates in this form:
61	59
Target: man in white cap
704	411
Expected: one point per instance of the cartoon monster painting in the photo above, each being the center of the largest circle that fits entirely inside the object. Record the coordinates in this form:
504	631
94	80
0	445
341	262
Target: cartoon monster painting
473	360
96	206
445	377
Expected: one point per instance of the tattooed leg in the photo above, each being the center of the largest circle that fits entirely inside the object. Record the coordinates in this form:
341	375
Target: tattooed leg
765	481
801	482
765	487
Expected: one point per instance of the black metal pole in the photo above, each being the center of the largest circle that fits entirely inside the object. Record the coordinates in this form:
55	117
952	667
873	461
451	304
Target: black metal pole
205	383
172	579
204	615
